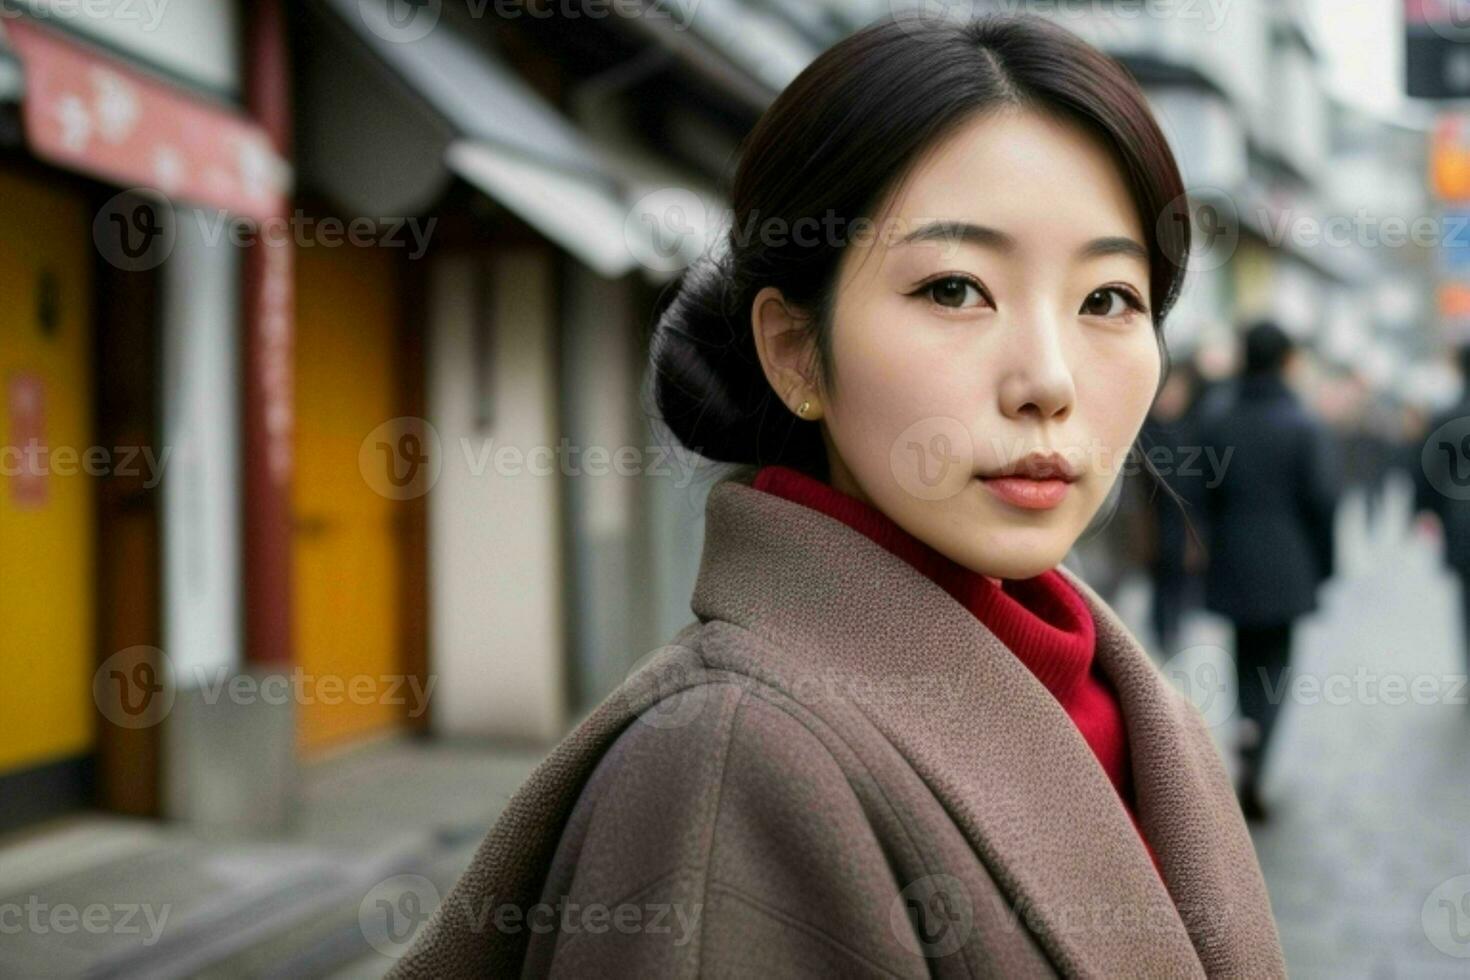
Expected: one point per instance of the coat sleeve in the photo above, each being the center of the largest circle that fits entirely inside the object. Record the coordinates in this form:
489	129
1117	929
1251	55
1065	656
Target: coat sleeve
719	835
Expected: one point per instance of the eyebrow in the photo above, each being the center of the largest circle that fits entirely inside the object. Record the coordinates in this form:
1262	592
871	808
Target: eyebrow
1001	241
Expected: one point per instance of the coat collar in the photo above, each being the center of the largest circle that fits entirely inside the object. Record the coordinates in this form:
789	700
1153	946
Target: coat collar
999	751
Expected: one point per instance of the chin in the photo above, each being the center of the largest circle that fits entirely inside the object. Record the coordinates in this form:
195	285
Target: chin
1017	558
1025	556
1023	567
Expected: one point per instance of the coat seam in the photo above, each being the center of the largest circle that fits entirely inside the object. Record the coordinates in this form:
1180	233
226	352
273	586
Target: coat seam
764	692
713	824
773	912
637	891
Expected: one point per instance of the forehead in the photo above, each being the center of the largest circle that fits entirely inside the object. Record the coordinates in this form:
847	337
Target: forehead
1046	181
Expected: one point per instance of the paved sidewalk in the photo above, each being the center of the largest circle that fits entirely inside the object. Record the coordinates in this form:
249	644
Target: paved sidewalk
169	903
1370	785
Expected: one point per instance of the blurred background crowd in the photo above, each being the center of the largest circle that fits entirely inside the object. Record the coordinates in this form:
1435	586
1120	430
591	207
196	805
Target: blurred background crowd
329	499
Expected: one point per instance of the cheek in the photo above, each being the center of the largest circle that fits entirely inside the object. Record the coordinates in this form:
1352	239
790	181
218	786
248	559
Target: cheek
1116	393
897	389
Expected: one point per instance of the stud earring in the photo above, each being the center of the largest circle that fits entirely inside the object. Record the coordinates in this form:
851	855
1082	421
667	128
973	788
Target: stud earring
806	406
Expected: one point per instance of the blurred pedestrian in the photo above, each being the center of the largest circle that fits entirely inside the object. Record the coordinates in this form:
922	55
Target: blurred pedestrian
1168	438
1442	485
1269	517
1359	447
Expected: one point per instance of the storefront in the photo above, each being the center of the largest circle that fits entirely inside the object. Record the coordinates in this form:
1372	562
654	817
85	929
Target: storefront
120	332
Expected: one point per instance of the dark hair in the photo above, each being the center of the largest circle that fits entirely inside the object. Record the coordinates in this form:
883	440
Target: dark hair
837	142
1266	348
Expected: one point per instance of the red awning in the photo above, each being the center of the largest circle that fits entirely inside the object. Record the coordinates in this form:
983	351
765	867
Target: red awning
95	114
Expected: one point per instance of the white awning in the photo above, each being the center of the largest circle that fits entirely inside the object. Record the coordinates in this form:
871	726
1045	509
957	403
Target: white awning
679	216
760	41
585	219
512	144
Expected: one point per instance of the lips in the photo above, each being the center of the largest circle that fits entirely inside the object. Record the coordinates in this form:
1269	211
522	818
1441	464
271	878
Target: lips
1026	493
1038	466
1037	481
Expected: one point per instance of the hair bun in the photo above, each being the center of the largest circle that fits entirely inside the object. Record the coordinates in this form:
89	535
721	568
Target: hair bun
708	384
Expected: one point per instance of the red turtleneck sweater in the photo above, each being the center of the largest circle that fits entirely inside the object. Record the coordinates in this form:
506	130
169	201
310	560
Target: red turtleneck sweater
1043	621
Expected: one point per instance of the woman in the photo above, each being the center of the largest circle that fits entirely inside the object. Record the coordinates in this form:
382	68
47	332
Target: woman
900	739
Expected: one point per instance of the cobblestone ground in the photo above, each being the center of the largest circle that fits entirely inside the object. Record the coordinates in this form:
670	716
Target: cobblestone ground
1367	854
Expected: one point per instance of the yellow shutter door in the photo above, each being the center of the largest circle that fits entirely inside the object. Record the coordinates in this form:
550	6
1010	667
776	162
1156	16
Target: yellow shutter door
345	565
46	502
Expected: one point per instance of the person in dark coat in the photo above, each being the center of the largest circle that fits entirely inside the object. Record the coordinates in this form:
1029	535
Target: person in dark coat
1269	522
1169	433
1440	466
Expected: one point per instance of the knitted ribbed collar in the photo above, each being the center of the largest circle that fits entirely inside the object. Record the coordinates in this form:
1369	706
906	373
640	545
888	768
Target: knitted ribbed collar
1042	619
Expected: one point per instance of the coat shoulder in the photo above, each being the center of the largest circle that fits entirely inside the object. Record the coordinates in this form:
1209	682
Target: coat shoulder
733	812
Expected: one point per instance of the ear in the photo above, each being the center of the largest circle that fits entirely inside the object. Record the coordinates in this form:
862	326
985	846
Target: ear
784	344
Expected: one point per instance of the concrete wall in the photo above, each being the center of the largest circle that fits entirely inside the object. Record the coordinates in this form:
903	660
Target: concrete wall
201	431
600	414
496	604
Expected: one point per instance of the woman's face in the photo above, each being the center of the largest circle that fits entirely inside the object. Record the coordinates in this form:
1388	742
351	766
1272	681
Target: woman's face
1014	321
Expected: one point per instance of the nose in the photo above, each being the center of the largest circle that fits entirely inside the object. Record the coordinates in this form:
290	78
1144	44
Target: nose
1038	380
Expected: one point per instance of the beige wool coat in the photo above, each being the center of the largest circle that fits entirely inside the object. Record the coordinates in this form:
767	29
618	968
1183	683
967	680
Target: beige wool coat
839	771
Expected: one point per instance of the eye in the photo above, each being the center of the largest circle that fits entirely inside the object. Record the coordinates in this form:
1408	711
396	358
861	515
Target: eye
952	291
1100	302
